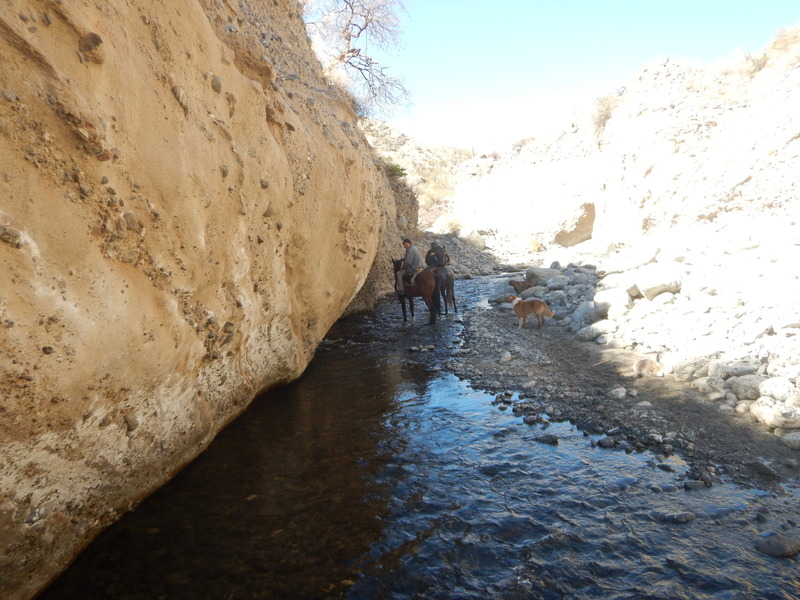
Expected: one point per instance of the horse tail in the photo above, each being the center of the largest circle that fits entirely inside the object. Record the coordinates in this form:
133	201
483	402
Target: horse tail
435	300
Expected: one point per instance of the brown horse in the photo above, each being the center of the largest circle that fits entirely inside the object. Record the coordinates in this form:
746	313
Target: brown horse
425	286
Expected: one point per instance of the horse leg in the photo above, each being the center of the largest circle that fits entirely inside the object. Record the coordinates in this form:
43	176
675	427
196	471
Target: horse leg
411	308
432	302
451	291
402	300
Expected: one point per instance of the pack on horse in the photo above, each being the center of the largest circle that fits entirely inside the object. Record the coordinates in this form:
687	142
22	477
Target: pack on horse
424	286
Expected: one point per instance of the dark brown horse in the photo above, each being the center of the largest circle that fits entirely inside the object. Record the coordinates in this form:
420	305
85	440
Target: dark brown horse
445	280
424	286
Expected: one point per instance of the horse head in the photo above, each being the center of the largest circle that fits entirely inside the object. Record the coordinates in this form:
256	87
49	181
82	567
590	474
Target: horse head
396	264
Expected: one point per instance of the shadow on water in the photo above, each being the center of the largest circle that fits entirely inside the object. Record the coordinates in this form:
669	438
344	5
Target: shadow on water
284	498
379	475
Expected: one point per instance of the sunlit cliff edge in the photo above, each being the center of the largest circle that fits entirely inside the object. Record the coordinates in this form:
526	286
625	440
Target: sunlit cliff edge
186	206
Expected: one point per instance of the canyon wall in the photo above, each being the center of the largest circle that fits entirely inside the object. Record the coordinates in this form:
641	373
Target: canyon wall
186	206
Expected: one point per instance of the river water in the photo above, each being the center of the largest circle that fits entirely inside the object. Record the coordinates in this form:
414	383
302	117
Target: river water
381	475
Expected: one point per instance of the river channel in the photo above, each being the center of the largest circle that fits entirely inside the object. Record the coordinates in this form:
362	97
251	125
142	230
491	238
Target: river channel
381	475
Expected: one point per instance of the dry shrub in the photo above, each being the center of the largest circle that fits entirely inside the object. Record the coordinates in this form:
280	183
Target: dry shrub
605	108
753	64
454	226
520	144
786	39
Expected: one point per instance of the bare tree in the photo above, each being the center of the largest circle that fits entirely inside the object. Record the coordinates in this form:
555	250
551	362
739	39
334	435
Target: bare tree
345	33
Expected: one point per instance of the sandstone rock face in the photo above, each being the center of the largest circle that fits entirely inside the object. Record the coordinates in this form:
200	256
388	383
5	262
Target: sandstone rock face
186	207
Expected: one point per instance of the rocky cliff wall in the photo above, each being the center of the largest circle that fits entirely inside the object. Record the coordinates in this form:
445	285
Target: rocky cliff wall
186	207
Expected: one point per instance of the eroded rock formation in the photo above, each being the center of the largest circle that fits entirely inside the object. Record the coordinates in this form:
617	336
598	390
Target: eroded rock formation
186	207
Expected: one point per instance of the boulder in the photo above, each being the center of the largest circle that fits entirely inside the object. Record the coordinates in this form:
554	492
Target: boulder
780	388
615	302
775	413
559	282
539	275
746	387
583	312
537	291
688	368
725	369
595	330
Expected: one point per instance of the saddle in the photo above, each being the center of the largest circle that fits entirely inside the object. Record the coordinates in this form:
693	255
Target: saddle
408	278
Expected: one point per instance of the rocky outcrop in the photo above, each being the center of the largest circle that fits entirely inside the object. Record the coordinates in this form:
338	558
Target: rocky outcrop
186	206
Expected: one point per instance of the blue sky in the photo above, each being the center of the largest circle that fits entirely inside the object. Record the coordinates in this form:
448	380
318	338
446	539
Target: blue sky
480	70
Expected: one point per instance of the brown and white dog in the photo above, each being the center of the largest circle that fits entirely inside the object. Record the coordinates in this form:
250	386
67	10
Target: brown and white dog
520	286
532	306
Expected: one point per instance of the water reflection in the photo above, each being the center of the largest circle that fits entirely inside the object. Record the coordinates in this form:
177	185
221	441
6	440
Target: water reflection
280	504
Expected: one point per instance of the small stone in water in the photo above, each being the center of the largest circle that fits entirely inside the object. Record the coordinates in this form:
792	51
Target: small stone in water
678	517
778	545
549	438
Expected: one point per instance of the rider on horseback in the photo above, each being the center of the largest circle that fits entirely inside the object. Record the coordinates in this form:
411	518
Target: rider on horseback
437	256
412	261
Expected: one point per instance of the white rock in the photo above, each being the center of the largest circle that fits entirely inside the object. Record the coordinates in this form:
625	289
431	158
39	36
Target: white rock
595	330
725	369
614	301
780	388
618	393
774	413
658	278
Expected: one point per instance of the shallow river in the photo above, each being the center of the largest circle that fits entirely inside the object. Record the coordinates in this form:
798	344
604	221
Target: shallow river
381	475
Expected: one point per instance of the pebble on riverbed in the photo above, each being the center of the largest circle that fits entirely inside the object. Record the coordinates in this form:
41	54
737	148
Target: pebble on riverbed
676	517
549	439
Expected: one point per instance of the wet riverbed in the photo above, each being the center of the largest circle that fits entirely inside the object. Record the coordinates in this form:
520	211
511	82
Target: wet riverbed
381	475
